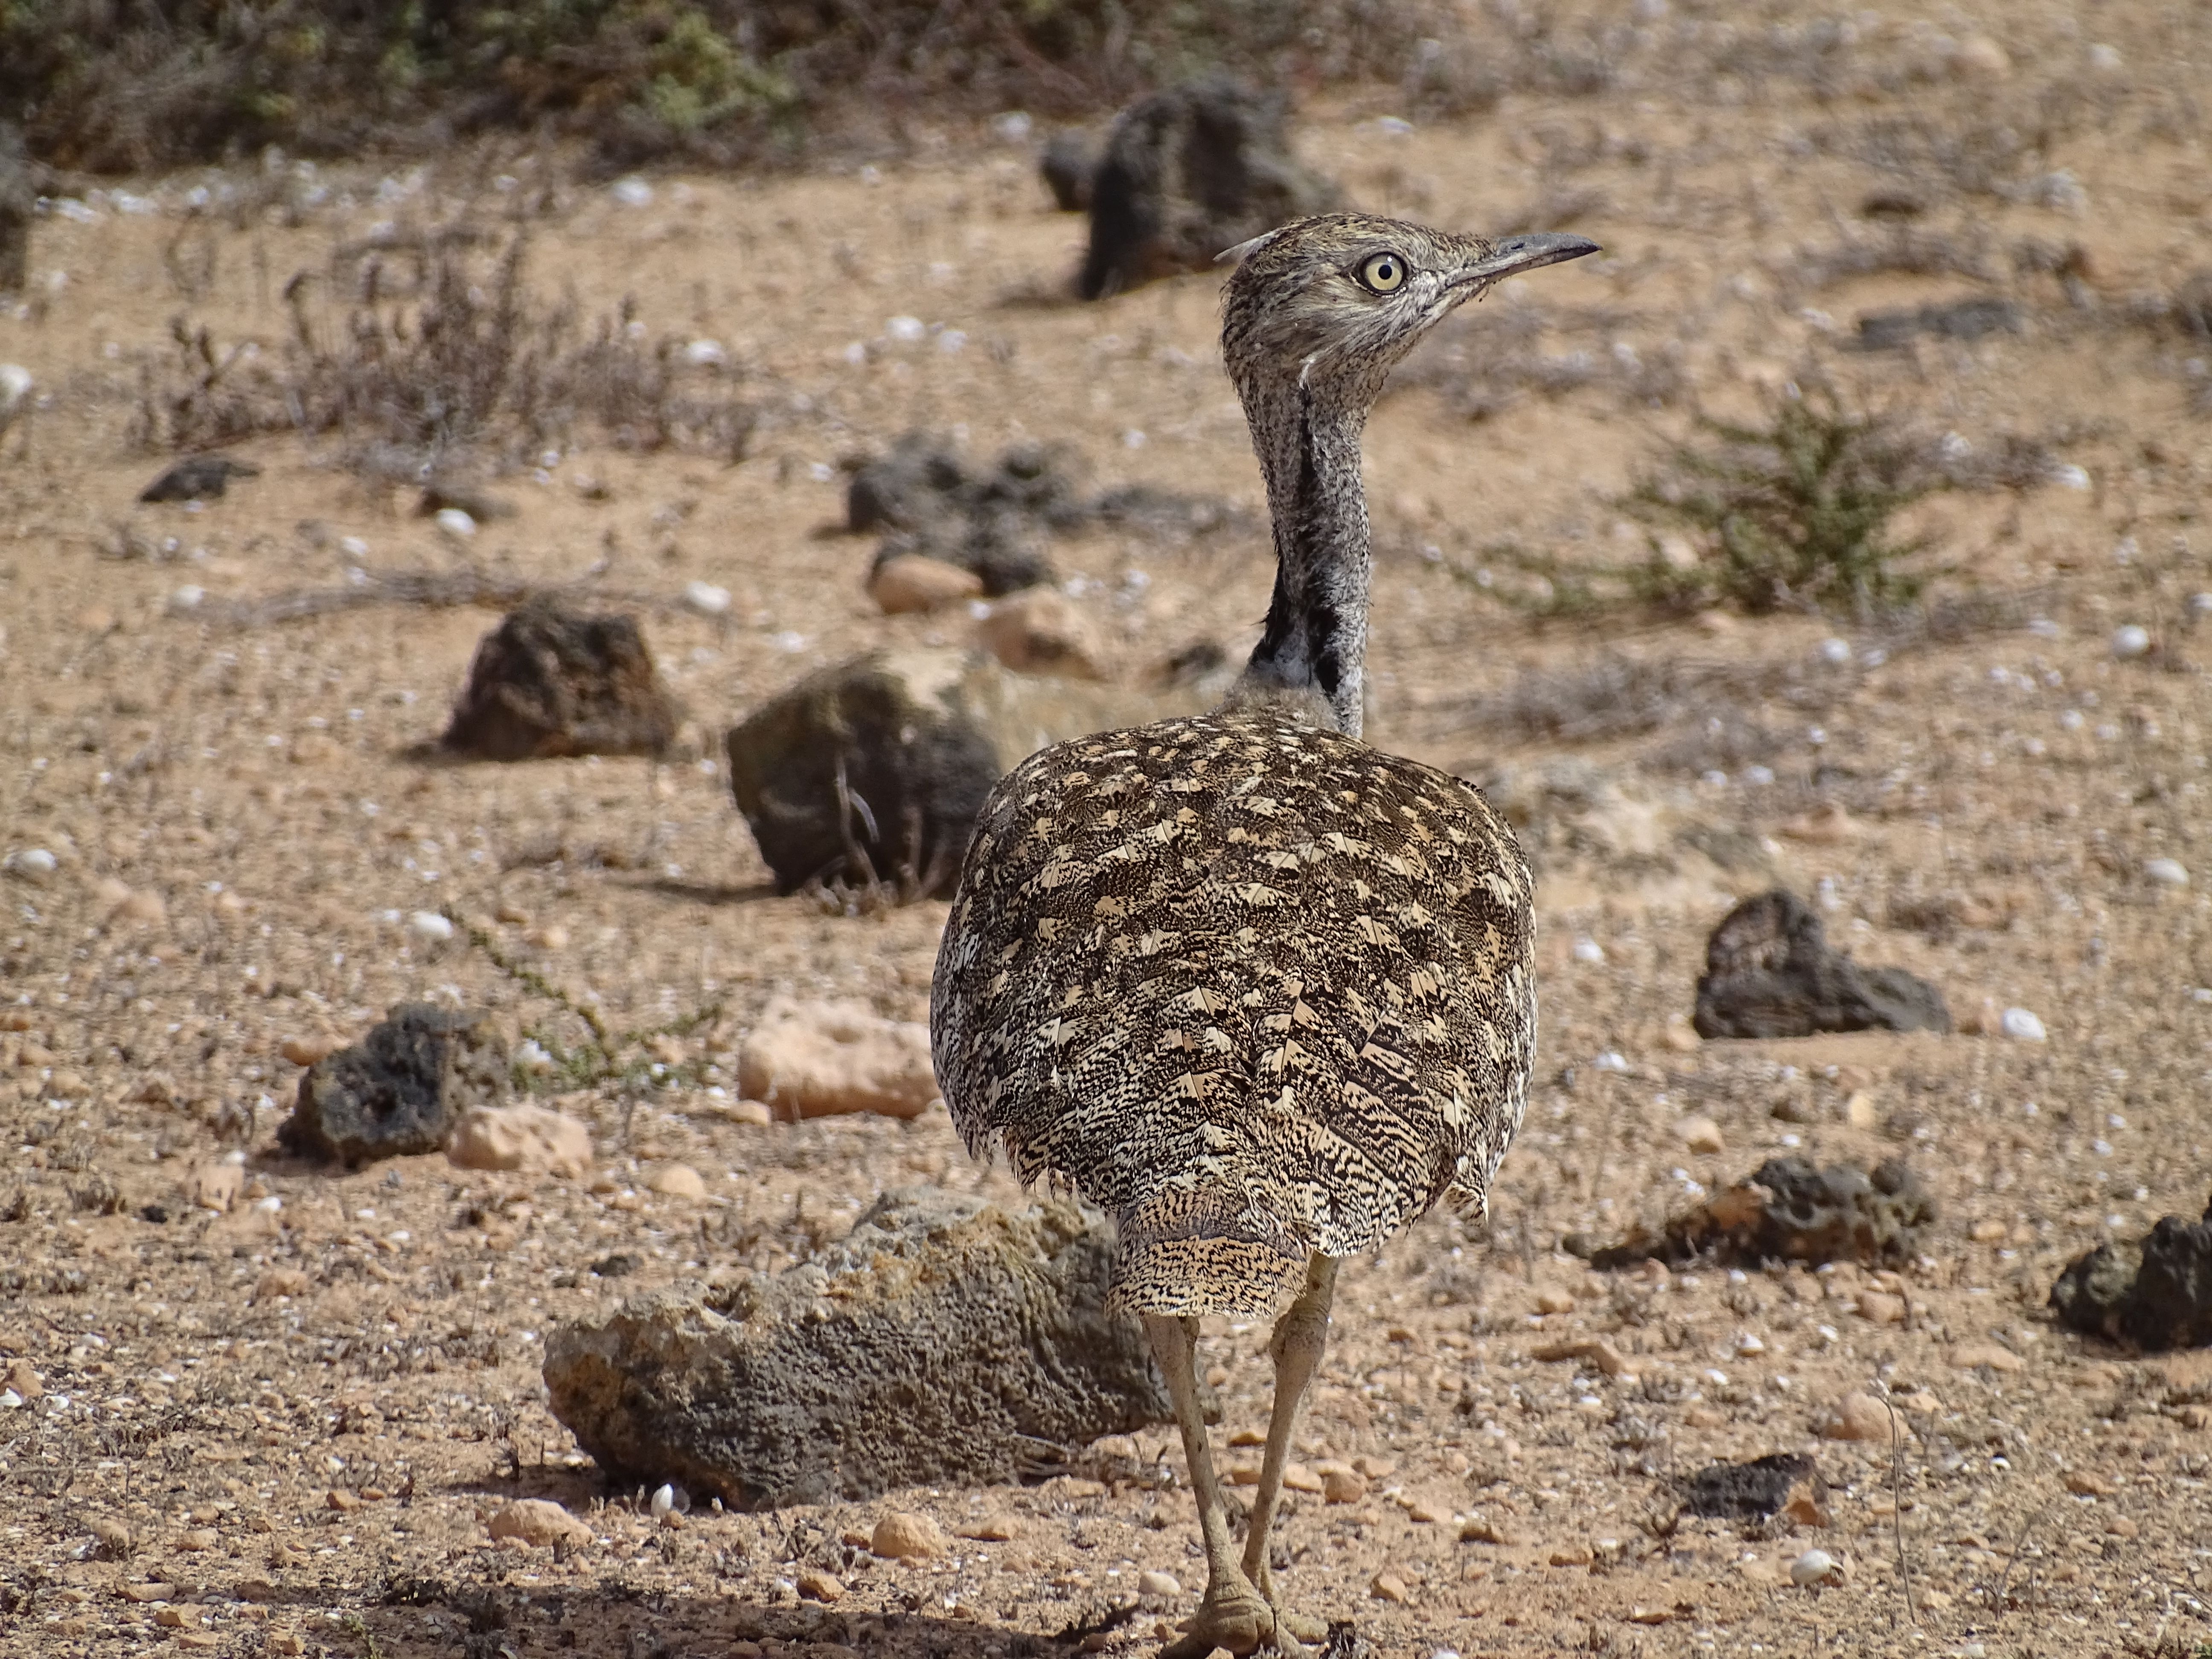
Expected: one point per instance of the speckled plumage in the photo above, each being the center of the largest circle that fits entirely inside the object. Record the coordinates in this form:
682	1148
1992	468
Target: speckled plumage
1262	992
1255	988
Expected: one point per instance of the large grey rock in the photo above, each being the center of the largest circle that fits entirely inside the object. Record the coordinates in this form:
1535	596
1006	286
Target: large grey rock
917	739
1187	173
399	1091
19	202
943	1342
1770	972
551	682
2155	1292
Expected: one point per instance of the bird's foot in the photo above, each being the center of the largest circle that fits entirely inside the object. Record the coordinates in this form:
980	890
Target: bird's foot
1239	1620
1299	1627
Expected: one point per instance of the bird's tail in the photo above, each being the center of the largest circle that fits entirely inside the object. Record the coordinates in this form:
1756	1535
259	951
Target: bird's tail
1199	1252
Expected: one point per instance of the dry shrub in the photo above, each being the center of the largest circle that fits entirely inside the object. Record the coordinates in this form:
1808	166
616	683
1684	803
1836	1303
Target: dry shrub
442	348
714	80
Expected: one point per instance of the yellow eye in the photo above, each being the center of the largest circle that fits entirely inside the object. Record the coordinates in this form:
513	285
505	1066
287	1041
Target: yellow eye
1382	273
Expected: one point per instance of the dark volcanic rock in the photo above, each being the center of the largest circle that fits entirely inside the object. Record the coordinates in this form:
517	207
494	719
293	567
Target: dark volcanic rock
943	1342
400	1090
1770	972
918	737
1959	319
549	682
2154	1293
1187	173
1068	163
19	202
1764	1486
197	478
1791	1211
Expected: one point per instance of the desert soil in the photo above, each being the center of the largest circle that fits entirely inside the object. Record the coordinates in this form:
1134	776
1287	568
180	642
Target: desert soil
281	1428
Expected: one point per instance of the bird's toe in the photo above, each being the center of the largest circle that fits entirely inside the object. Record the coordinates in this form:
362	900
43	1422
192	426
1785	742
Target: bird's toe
1238	1624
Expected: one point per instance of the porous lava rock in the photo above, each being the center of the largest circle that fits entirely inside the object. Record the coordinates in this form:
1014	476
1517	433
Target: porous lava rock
1187	173
550	681
875	768
1791	1211
1770	972
197	478
943	1342
400	1090
2154	1293
19	202
1067	164
1754	1490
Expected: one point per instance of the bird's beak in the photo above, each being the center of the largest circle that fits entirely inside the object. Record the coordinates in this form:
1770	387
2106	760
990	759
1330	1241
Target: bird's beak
1518	253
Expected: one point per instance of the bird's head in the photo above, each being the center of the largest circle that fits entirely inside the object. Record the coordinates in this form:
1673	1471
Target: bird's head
1332	303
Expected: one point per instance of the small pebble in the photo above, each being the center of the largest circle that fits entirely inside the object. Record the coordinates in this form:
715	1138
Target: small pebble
1387	1587
817	1586
669	1498
1340	1484
2167	872
677	1180
706	599
1858	1417
705	353
2022	1026
2130	640
1158	1584
1589	951
632	192
1701	1135
452	521
903	1536
34	862
539	1521
430	927
1814	1567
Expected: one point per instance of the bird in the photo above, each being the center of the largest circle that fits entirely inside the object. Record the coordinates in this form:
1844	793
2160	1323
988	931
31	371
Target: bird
1261	992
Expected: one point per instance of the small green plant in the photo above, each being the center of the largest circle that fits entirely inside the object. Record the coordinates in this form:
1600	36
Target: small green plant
605	1055
1792	515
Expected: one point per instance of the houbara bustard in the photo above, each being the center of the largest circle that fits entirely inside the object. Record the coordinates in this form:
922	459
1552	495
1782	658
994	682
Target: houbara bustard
1262	993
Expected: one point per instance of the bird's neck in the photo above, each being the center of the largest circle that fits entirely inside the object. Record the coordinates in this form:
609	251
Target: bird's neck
1316	634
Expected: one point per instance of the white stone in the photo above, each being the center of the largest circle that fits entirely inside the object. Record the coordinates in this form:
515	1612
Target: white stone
2167	872
452	521
430	927
1589	950
187	598
16	384
520	1137
705	353
34	862
1158	1584
706	599
2021	1025
632	193
1814	1567
1836	651
2130	640
906	330
539	1521
825	1059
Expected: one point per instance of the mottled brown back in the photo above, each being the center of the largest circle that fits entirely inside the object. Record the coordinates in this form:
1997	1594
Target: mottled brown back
1255	988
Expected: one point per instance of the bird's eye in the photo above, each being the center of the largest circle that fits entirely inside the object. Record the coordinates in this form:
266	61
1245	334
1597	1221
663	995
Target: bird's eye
1382	273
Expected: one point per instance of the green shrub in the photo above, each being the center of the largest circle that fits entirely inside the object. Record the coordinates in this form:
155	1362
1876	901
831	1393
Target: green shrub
1794	514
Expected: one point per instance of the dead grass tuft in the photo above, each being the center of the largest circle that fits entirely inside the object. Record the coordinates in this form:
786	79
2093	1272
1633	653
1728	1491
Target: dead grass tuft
440	349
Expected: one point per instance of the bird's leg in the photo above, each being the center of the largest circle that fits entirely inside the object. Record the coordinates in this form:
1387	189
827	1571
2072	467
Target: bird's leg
1295	1347
1233	1614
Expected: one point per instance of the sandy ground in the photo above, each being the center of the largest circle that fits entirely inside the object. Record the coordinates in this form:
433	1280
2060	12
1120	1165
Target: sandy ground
301	1416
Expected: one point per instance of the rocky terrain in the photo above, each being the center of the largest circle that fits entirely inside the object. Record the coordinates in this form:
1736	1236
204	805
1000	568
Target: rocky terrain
254	1403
